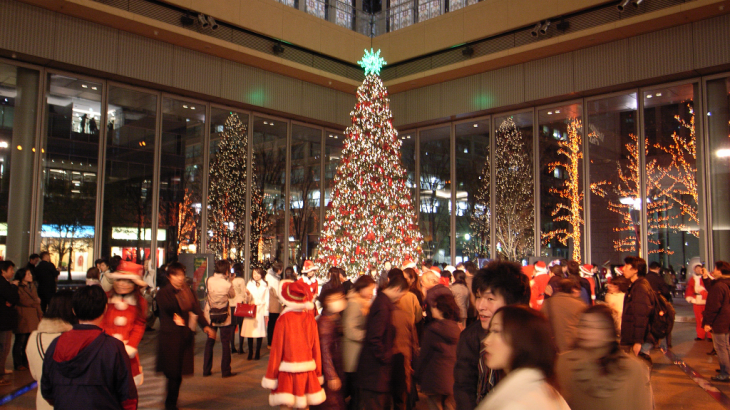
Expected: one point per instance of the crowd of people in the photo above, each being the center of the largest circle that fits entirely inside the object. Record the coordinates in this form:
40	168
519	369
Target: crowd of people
552	336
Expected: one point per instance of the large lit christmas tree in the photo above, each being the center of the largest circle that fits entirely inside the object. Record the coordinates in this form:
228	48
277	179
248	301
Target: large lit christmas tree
227	196
370	219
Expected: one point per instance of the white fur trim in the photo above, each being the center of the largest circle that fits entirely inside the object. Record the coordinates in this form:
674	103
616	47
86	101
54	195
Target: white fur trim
270	384
320	379
297	402
120	321
136	279
297	367
130	351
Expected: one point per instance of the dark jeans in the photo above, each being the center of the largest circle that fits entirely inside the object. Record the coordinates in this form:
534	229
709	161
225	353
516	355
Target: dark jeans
372	400
399	391
226	334
19	357
173	391
270	327
236	322
352	391
258	347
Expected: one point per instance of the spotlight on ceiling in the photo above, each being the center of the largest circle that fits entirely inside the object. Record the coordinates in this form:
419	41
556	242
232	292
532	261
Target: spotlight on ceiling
636	2
212	22
467	51
187	20
278	49
203	21
544	28
536	30
623	5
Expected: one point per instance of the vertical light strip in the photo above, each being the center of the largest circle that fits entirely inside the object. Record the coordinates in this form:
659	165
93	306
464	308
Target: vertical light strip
322	187
492	188
35	218
704	156
536	181
287	199
249	181
101	171
452	148
586	187
156	181
641	132
203	247
417	181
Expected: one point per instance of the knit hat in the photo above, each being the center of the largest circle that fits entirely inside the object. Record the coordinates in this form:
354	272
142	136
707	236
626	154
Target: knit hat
309	266
586	270
295	295
540	268
131	271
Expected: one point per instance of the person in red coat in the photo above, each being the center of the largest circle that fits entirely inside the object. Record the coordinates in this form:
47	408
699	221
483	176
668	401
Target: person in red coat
294	373
538	284
696	294
126	313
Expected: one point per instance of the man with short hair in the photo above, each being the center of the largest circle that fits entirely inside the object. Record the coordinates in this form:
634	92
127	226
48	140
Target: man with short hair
638	307
219	291
8	315
656	281
717	318
33	260
85	368
499	284
46	275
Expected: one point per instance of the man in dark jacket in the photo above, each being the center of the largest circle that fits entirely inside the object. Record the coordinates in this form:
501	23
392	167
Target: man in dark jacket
498	284
374	366
8	315
46	275
85	368
657	282
33	260
432	289
717	318
638	307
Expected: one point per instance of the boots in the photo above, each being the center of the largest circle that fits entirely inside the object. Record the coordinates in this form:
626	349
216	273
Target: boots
240	346
258	349
250	348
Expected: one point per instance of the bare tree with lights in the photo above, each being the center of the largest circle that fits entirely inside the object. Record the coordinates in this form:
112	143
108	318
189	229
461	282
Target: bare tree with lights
370	220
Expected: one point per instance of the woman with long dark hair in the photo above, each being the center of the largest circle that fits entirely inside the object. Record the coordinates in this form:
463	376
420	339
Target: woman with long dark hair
520	345
255	327
597	374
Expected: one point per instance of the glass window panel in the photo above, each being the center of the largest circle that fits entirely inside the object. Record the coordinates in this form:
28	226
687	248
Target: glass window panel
718	129
408	159
18	110
560	136
269	149
181	173
304	189
460	4
428	9
401	13
70	168
130	153
672	209
316	8
472	190
345	15
615	223
514	191
333	153
435	217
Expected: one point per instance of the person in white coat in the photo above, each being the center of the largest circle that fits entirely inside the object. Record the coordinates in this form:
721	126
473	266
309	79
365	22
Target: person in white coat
255	328
520	344
59	318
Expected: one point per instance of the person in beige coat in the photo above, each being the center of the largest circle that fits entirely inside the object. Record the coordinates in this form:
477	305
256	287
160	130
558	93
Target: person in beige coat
29	315
597	374
353	327
563	311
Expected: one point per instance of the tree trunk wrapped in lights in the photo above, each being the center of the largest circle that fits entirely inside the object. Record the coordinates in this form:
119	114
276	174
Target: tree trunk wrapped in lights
227	197
370	219
570	210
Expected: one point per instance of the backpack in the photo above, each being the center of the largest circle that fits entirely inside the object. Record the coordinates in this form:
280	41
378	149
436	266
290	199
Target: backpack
662	316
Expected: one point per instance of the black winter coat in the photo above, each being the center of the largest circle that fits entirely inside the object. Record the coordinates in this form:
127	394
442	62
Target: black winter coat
176	344
466	370
659	286
638	307
434	369
46	274
374	366
717	309
431	296
8	314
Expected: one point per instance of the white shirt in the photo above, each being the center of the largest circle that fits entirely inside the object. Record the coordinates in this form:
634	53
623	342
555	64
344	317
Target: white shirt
523	389
219	290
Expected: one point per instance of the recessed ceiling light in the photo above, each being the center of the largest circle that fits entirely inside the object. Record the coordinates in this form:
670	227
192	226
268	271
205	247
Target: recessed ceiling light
557	111
271	123
476	125
266	123
185	106
649	96
84	86
550	113
93	88
192	108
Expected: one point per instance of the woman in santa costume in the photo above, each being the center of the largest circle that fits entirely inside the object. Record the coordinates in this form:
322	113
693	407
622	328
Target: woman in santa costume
696	294
538	284
126	314
294	373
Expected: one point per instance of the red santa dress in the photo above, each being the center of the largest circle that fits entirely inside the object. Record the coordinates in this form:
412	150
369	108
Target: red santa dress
294	372
538	285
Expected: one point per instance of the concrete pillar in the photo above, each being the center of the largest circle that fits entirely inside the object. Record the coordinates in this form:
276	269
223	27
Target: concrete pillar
21	166
717	105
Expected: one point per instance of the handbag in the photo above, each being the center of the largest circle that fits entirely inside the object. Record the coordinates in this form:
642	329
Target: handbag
217	315
245	310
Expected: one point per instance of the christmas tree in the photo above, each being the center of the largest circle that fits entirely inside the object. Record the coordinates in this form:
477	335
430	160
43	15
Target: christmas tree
370	219
570	209
514	202
227	196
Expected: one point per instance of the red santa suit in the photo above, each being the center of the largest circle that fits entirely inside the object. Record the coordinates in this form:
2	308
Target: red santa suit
538	285
126	316
294	372
310	282
696	294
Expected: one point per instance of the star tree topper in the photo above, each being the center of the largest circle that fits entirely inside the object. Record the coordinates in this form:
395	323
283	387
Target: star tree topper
372	62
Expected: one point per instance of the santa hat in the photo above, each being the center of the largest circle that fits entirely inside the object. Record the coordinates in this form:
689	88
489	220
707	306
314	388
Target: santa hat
309	266
450	268
586	270
408	263
131	271
619	270
540	268
436	270
295	295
